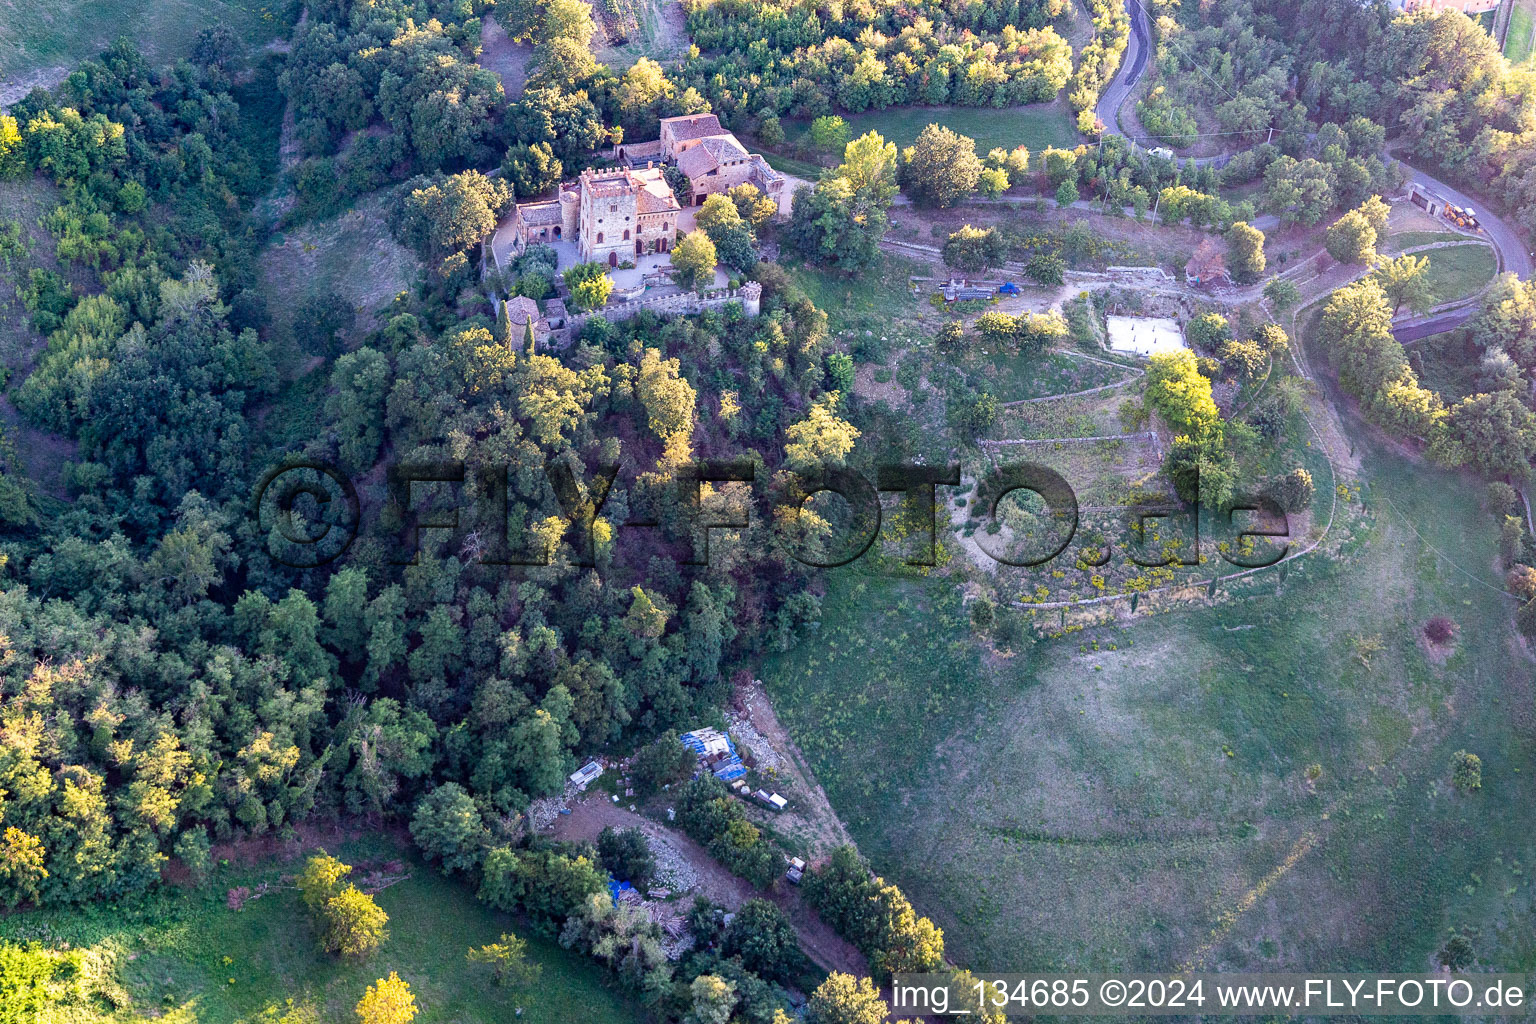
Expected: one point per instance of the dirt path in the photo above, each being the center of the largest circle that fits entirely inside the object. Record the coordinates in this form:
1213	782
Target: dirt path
810	816
596	812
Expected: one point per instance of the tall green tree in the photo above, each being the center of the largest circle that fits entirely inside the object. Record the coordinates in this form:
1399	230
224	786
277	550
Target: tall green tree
1245	252
694	258
941	168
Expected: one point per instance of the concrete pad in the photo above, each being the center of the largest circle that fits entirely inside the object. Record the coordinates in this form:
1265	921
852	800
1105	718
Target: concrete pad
1144	336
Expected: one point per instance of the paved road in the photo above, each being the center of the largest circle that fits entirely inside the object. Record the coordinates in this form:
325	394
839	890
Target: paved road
1132	65
1436	325
1513	255
1514	258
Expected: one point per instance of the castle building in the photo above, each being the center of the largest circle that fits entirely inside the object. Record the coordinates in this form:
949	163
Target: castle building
710	156
613	216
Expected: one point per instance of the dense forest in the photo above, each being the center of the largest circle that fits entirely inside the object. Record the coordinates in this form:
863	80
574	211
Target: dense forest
521	580
171	683
1437	82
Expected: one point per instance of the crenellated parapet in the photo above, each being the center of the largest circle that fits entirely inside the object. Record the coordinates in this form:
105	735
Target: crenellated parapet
750	295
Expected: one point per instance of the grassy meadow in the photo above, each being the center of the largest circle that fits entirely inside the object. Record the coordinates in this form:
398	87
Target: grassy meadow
1460	270
1259	784
352	255
41	39
1035	126
1517	42
184	957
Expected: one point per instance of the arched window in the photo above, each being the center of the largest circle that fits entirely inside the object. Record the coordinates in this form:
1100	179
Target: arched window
599	236
626	234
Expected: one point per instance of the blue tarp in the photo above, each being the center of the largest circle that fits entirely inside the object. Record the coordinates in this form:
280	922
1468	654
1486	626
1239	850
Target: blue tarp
731	770
616	887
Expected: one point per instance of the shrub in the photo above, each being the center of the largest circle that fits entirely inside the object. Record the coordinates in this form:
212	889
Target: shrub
1466	771
447	827
1521	580
353	924
508	960
708	814
1457	954
590	285
873	915
626	853
1046	268
1439	630
1294	491
388	1002
662	763
765	940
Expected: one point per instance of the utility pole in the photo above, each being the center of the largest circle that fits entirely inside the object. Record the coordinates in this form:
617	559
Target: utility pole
1271	137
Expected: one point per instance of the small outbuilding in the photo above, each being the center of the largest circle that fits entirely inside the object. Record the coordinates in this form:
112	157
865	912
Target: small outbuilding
586	774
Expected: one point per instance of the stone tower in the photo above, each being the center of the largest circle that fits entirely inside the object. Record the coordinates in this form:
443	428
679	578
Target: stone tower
751	298
608	216
570	213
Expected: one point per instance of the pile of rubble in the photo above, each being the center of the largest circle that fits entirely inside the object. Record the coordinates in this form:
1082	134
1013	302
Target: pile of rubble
543	812
676	939
673	872
764	757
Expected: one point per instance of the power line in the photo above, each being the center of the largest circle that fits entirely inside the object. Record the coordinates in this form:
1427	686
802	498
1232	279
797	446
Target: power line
1212	135
1198	66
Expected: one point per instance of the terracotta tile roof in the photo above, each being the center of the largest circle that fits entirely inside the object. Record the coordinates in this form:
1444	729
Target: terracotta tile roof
654	195
693	126
521	309
697	162
539	214
724	147
652	203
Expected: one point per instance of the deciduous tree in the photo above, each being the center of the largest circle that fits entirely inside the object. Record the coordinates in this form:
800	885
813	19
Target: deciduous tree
695	257
1245	252
508	960
941	168
844	999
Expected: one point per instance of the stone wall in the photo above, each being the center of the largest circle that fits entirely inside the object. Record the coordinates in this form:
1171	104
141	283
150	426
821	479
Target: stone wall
678	304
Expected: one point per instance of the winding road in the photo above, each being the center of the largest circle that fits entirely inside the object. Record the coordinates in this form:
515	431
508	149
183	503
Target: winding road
1511	249
1132	66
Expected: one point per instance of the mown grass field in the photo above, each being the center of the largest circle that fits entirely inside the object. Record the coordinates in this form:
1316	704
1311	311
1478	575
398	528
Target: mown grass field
1460	270
1517	42
1035	127
47	37
1143	795
1013	377
185	958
